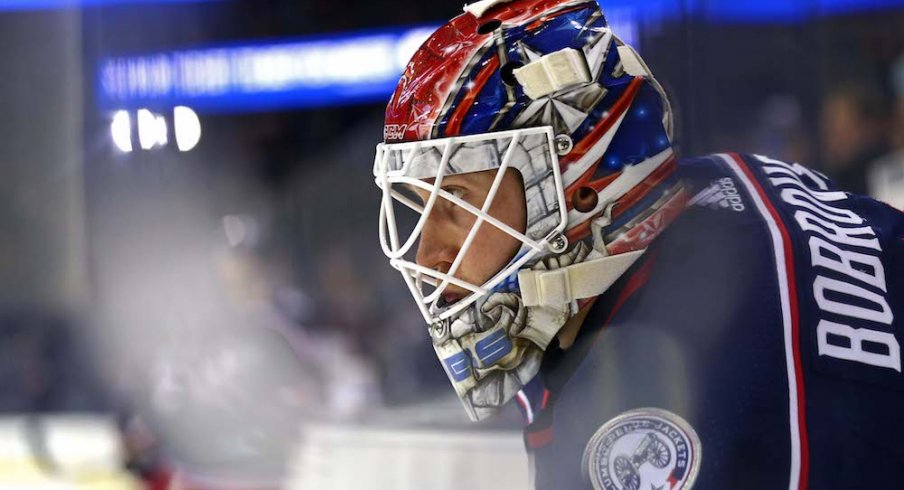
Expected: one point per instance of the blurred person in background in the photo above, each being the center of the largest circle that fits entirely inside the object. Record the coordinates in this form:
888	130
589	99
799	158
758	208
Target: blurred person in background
728	321
855	132
886	175
195	418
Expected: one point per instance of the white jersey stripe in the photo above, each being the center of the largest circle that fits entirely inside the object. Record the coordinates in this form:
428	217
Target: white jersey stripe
780	262
525	403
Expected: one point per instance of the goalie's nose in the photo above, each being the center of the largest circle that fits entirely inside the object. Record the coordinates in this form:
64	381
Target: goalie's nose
438	246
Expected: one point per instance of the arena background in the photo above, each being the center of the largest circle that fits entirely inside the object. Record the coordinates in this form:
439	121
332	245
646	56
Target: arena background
191	290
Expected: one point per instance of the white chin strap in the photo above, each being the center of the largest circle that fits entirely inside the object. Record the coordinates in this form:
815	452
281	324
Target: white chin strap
578	281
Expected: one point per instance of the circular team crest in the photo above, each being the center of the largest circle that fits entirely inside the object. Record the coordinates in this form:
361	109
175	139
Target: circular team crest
644	449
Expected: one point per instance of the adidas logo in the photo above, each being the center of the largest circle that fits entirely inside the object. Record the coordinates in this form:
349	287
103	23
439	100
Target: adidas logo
721	194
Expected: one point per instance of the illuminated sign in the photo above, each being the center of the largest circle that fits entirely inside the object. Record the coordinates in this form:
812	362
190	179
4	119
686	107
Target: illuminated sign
57	4
362	67
323	71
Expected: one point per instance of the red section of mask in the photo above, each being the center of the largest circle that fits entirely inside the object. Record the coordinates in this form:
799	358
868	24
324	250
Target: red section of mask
431	75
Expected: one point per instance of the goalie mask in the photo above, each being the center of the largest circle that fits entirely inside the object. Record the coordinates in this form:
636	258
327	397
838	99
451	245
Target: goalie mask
546	91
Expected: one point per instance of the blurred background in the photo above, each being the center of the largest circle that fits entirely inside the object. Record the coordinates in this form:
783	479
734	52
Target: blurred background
191	291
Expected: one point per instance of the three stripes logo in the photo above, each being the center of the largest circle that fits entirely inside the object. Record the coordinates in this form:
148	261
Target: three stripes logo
721	194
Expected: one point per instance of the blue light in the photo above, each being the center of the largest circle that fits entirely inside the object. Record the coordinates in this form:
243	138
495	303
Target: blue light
58	4
845	6
746	11
614	163
354	68
311	72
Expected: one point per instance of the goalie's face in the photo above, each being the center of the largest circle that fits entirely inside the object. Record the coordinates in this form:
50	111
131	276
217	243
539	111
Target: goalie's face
460	216
448	225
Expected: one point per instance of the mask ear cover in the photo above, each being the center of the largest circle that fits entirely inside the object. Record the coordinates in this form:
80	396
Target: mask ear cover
631	62
553	72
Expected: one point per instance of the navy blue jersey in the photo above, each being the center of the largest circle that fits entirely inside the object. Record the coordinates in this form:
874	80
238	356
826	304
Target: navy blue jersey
756	345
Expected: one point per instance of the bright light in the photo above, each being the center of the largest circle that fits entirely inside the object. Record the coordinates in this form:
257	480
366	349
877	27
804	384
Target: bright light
235	230
151	129
121	130
312	71
69	4
187	127
146	129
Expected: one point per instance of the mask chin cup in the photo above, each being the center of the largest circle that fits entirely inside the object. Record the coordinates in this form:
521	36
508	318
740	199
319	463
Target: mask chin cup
490	364
494	348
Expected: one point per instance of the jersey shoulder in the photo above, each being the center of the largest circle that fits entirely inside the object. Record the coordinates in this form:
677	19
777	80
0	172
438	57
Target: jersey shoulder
840	256
774	287
736	182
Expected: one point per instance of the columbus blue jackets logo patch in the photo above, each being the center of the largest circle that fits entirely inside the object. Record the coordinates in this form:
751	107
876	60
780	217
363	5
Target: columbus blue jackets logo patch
644	449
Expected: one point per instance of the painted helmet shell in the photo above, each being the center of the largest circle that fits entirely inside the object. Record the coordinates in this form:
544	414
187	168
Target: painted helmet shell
493	77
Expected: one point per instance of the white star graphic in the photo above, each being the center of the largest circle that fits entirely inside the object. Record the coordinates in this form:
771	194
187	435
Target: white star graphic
567	109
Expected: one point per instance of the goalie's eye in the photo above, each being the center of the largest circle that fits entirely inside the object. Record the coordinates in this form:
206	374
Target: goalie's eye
421	196
456	191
